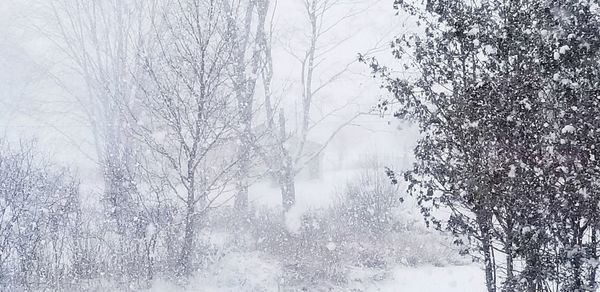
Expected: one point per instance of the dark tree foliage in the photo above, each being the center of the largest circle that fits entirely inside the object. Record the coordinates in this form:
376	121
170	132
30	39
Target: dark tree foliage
507	103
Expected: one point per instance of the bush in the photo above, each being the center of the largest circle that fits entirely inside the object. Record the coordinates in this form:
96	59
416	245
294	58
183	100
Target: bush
39	210
367	203
370	226
309	256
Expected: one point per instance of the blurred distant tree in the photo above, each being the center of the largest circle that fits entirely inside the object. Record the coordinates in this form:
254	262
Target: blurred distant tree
102	40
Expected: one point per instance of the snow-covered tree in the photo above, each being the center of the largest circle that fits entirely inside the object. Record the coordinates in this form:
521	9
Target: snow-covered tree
285	142
505	95
184	114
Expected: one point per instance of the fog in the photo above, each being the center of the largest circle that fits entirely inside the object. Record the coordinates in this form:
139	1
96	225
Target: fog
41	86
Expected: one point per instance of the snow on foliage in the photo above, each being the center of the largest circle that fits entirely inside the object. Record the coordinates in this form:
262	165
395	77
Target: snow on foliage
513	184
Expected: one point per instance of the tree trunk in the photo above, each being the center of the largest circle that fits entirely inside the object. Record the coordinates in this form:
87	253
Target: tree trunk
594	256
245	142
244	87
287	175
287	185
185	262
486	248
576	258
490	280
242	185
510	279
187	247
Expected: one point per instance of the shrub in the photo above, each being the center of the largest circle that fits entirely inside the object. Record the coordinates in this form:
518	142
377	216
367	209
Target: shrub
310	255
366	204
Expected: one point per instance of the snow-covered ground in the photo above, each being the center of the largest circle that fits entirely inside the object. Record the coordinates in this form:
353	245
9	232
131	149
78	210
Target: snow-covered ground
432	279
259	271
252	272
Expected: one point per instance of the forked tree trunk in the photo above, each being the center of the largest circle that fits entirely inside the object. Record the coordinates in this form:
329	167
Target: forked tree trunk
245	85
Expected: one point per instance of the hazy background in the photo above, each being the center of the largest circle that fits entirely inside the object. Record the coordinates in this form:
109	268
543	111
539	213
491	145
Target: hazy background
38	87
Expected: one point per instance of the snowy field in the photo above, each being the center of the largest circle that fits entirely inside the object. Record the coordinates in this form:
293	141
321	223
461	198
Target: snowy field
432	279
250	273
256	271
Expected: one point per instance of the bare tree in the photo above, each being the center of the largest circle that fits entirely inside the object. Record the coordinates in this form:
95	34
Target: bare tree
184	114
102	39
246	22
288	146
